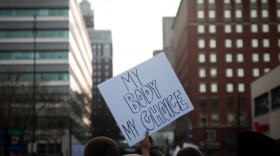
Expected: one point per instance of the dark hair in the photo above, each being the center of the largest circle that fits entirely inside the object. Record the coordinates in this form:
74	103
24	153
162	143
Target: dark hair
101	146
189	151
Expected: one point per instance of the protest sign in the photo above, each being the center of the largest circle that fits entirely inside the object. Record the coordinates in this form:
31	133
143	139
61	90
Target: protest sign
145	97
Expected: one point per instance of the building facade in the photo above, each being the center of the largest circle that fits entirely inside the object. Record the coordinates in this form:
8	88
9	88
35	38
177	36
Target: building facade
103	123
266	104
46	43
220	48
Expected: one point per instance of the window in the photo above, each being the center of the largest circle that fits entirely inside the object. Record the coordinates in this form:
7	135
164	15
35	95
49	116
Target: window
227	1
239	28
265	43
212	14
239	43
261	105
253	14
264	13
265	28
266	57
230	118
202	88
266	70
213	58
214	87
238	13
211	1
200	1
227	28
275	98
254	28
212	29
229	72
278	13
241	87
255	57
200	29
229	88
214	119
255	43
240	58
213	72
212	43
256	72
210	135
202	72
228	58
240	72
237	1
228	43
227	14
201	43
201	58
214	102
200	14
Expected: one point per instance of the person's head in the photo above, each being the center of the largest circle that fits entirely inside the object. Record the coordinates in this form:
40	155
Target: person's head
255	143
189	151
101	146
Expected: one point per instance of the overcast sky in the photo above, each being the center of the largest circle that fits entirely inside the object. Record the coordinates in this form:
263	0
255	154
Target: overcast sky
136	27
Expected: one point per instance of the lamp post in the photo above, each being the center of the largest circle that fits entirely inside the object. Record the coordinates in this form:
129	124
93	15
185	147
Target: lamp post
34	86
238	101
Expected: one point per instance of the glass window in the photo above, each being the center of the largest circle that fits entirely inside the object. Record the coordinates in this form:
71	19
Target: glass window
253	1
212	14
212	28
239	43
265	43
200	14
227	1
210	135
240	72
238	13
266	57
202	87
237	1
201	43
213	72
255	43
256	72
265	28
266	70
278	13
214	87
265	13
254	13
211	1
240	58
228	43
239	28
227	14
201	58
255	57
229	72
230	118
229	87
228	57
200	29
202	72
241	87
254	28
213	58
278	27
227	28
264	1
214	119
275	98
261	105
200	1
212	43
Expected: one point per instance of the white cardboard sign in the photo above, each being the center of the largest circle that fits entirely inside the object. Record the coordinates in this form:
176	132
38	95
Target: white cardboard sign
145	97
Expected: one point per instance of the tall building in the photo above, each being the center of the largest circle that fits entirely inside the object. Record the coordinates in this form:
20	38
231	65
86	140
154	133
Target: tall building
220	48
46	42
88	14
103	123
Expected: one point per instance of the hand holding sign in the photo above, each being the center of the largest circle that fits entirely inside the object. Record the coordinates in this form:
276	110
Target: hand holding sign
146	97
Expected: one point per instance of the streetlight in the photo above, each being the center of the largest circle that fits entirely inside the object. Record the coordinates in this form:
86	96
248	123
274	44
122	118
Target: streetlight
238	101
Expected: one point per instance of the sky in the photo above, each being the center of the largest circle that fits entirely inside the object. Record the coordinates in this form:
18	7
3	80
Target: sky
136	27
